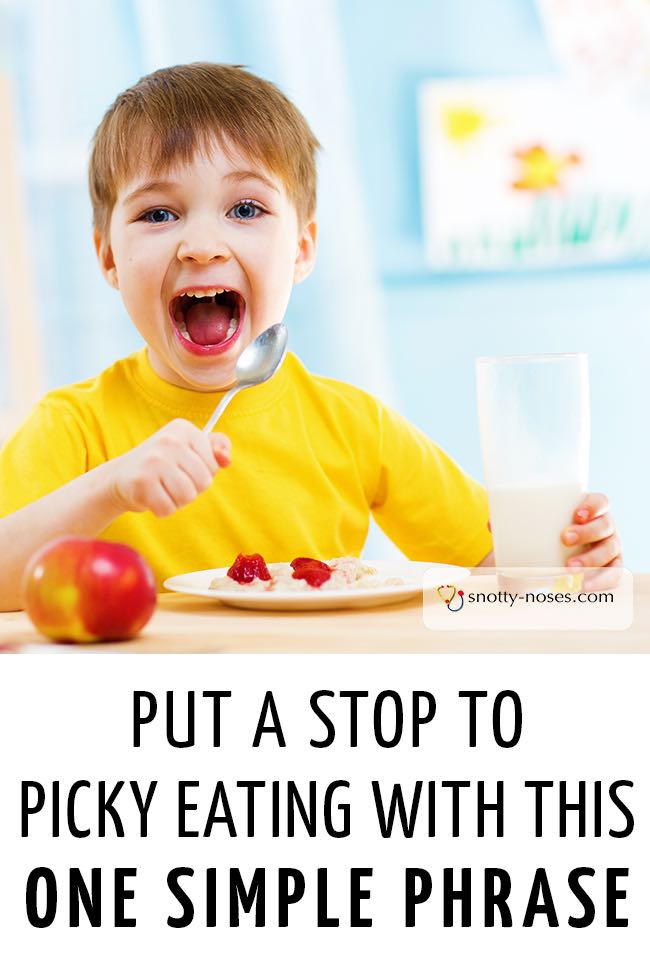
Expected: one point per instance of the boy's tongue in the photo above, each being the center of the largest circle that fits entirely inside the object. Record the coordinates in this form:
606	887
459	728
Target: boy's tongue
207	323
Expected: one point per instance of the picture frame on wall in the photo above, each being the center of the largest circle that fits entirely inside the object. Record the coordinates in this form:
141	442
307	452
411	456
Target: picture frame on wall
532	173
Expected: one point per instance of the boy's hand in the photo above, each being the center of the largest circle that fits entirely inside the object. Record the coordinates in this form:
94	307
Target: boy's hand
593	527
168	470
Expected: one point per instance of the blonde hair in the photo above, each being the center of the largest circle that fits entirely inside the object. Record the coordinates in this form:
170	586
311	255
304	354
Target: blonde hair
170	115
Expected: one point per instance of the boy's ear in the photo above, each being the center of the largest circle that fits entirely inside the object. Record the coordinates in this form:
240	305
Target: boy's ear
106	261
306	254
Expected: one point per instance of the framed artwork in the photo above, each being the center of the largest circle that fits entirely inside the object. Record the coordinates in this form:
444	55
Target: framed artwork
532	172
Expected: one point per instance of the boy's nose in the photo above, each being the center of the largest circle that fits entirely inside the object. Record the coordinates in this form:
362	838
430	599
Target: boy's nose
203	245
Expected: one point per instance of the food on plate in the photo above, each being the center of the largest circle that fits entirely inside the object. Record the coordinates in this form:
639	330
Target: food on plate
245	568
313	571
80	590
302	573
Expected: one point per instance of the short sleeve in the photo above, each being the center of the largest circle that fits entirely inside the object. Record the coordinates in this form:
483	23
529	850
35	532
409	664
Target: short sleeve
431	509
47	451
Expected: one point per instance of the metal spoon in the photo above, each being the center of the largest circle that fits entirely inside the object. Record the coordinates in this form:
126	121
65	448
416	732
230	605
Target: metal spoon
258	362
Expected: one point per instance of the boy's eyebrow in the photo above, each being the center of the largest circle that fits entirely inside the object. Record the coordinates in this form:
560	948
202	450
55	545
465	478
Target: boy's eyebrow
150	187
239	176
243	174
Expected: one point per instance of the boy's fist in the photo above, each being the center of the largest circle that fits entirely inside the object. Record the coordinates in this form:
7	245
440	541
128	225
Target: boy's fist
168	470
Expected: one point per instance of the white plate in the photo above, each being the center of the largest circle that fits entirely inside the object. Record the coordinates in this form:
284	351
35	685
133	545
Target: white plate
197	584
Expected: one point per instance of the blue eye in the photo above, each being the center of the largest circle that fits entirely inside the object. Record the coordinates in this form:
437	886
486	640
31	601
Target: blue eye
158	215
246	210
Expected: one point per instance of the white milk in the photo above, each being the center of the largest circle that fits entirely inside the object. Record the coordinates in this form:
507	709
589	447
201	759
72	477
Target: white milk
527	522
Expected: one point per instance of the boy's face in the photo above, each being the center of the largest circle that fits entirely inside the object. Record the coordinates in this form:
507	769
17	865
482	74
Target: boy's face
217	223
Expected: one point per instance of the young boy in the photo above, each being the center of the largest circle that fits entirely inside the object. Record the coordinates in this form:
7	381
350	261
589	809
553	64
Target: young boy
203	185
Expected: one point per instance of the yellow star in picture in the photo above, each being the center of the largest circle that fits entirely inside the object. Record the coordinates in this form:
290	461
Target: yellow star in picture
540	169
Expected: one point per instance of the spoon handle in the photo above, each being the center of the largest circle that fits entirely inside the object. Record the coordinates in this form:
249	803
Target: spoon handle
221	407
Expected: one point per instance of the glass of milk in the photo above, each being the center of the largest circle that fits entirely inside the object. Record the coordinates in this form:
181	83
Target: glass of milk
534	425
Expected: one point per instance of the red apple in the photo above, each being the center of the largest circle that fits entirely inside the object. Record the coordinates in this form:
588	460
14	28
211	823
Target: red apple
80	590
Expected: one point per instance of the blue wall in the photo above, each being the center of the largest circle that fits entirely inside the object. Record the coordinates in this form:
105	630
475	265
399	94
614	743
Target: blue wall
437	324
440	323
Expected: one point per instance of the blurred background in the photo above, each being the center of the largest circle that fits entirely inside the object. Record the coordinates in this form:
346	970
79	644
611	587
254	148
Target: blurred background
484	190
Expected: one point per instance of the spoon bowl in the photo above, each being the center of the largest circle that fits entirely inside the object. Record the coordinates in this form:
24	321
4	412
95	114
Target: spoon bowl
257	363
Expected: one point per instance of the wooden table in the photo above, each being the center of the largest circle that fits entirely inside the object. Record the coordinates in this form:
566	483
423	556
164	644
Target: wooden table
192	624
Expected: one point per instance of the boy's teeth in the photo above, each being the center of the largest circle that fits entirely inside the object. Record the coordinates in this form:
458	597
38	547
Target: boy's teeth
232	328
210	293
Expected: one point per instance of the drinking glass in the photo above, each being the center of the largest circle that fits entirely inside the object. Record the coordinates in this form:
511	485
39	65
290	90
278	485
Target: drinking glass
534	425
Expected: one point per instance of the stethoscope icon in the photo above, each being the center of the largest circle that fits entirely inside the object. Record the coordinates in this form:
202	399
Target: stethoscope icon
456	593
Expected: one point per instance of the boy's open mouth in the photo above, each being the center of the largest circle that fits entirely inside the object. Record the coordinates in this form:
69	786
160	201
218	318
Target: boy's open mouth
208	317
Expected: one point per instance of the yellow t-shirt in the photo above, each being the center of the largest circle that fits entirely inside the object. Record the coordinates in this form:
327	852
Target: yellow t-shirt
311	458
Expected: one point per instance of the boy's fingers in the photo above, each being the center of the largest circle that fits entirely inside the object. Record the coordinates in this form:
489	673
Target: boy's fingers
607	578
199	470
591	506
220	441
222	458
202	448
159	502
220	448
224	439
179	486
593	531
599	554
213	449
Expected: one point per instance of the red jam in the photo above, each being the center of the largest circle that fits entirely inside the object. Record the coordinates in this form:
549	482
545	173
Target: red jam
313	571
245	568
304	563
313	577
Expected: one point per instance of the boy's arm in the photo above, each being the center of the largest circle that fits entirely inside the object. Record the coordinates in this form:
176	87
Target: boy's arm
488	560
430	508
162	474
85	506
